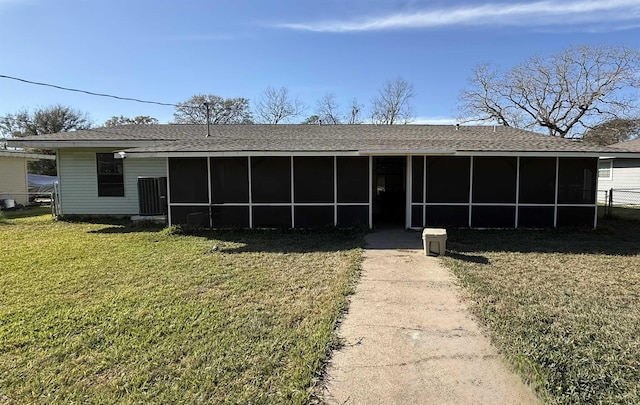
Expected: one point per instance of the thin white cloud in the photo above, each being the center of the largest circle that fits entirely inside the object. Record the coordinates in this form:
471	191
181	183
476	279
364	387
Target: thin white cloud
535	14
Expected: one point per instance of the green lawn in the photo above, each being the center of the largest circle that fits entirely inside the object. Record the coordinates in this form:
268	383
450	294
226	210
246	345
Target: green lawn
564	306
100	313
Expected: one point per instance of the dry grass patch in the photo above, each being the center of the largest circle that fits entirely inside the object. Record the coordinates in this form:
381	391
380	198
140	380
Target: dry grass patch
112	313
562	305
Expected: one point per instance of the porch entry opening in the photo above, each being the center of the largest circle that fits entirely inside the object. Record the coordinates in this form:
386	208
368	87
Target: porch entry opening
389	191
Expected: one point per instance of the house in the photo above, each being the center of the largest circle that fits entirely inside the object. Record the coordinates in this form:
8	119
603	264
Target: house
255	176
622	174
13	174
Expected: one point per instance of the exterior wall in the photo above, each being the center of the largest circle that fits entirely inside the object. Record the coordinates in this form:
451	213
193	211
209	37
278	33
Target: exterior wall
625	174
78	179
13	178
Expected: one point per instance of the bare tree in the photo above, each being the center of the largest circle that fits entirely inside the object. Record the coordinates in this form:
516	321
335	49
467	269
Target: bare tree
275	106
564	93
328	109
221	110
355	112
393	103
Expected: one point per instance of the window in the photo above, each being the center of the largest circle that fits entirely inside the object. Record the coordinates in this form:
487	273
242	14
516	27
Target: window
110	175
605	170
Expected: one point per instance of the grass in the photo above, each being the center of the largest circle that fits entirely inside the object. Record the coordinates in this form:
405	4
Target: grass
99	313
620	212
562	305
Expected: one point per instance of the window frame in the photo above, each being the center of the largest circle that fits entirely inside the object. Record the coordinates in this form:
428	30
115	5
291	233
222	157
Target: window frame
609	169
120	192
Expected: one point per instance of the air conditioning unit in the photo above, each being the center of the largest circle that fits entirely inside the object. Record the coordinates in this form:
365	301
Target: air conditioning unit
152	196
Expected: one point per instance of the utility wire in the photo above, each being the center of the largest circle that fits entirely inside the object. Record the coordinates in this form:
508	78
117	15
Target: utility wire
91	93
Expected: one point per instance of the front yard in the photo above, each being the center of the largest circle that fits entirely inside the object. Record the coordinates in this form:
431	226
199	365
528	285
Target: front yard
102	313
564	306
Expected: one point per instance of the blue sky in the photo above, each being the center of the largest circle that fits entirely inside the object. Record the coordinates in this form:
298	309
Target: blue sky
167	51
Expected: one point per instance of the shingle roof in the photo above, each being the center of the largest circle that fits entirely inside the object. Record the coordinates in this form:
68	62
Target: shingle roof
631	146
295	137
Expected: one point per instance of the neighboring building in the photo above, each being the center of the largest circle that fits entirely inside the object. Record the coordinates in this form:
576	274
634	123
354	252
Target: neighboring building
331	175
13	174
622	174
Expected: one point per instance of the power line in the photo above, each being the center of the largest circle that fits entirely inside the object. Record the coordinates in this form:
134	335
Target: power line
91	93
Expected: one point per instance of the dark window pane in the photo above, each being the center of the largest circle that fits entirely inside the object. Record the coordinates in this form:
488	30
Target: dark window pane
271	179
537	180
577	180
443	216
535	217
229	180
576	216
493	217
417	178
448	179
110	175
313	179
272	217
230	217
416	216
353	179
494	179
313	217
194	216
188	180
353	216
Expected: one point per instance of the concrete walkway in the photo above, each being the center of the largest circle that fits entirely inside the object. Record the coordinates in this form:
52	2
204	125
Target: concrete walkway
410	340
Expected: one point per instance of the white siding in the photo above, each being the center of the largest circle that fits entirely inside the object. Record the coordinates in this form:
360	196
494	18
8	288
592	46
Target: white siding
13	178
625	174
79	183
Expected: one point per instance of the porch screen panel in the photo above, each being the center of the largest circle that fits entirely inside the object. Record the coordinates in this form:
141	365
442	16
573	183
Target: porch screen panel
576	216
535	217
314	216
417	179
271	179
193	216
272	217
229	180
447	215
416	216
494	179
493	217
353	216
577	180
230	216
537	180
313	179
189	180
448	179
353	179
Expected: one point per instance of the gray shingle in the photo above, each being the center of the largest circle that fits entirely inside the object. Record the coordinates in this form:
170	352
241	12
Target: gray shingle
631	146
295	137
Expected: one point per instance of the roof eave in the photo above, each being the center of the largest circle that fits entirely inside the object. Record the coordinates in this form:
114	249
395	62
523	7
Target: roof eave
61	144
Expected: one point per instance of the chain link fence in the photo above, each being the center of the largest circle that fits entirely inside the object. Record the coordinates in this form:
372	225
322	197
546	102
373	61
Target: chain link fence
619	197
